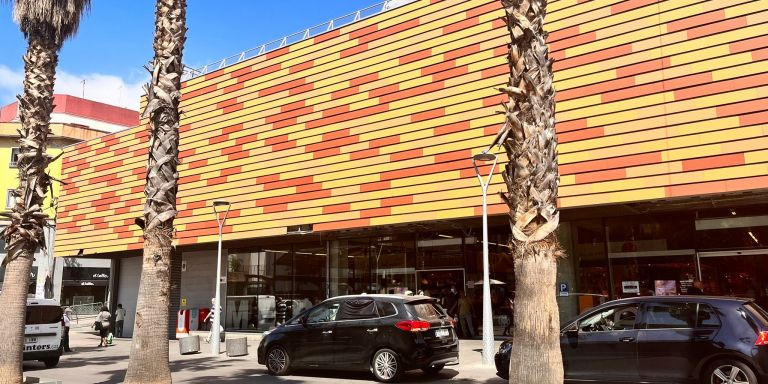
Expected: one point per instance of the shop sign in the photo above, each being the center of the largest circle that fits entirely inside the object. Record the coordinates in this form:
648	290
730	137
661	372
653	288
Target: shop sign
86	283
665	287
563	288
630	287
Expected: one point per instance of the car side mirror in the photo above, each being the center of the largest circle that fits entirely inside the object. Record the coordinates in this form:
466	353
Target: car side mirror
572	330
303	321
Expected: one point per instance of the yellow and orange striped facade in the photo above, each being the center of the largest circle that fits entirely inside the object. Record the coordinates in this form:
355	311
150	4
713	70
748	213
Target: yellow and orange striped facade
374	123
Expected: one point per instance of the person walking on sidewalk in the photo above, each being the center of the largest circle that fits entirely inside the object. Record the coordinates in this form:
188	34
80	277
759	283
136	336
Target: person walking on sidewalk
119	320
65	338
102	325
465	315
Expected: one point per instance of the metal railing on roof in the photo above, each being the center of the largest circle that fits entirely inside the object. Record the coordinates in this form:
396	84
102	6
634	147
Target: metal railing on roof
190	73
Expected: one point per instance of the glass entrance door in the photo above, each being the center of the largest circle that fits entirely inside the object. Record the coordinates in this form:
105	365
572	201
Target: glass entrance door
735	273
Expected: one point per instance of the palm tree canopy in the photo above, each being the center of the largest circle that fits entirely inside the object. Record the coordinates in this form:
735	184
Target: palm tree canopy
57	19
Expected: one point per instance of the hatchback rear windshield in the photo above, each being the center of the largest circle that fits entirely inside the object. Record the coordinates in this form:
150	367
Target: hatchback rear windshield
43	314
758	313
425	311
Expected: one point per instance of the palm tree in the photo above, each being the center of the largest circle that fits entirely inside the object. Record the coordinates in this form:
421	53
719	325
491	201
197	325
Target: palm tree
531	176
149	350
45	24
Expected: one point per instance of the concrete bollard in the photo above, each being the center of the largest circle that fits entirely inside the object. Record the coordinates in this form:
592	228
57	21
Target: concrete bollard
237	347
189	344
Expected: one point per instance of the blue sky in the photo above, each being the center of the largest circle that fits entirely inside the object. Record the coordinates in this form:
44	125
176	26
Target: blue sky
114	42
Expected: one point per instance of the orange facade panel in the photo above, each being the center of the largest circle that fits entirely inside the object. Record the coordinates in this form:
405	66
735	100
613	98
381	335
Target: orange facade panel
374	123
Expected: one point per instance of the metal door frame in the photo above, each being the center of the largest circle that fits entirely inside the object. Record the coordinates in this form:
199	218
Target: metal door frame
743	252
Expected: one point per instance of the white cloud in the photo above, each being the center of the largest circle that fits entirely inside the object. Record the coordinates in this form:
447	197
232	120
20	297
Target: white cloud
109	89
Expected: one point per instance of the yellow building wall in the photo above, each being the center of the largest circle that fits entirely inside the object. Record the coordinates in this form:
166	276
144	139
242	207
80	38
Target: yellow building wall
374	123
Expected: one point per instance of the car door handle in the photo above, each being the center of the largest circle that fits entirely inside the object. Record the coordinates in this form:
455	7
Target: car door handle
327	332
372	330
701	337
627	339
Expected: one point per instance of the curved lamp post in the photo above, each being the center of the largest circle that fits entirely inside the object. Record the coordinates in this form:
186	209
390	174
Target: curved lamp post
219	207
486	156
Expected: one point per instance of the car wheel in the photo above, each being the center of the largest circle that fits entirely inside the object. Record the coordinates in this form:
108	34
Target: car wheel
278	361
52	362
386	365
433	369
730	372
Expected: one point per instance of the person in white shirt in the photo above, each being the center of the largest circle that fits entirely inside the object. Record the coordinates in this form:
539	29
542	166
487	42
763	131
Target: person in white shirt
65	338
119	320
102	325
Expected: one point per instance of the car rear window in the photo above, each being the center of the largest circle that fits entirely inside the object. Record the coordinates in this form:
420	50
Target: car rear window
758	313
425	311
43	314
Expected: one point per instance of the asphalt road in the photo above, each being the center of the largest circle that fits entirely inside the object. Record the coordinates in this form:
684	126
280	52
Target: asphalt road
90	364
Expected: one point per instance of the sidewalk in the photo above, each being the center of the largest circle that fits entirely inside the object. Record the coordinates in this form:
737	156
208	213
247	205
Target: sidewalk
90	364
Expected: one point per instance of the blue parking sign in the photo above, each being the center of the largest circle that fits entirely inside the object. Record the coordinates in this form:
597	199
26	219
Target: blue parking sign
563	289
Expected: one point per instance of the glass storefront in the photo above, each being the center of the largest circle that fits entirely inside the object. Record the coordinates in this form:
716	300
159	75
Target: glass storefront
271	284
267	285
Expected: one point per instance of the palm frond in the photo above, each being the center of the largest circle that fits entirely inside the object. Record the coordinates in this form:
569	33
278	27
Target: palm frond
58	19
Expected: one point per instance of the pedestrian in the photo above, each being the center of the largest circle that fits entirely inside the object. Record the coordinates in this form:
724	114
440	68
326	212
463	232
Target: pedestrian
209	319
119	320
65	339
465	315
450	300
697	288
510	308
280	310
102	325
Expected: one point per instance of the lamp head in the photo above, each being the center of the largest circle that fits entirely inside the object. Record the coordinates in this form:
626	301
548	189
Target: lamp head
220	204
484	156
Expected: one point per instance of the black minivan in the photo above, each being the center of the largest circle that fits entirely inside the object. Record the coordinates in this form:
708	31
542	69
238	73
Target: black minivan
386	334
678	339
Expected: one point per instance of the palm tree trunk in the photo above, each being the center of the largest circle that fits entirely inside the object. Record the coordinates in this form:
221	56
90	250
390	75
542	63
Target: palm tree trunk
24	234
535	355
149	350
532	180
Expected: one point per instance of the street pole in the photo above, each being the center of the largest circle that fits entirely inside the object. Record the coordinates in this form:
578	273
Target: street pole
487	313
215	332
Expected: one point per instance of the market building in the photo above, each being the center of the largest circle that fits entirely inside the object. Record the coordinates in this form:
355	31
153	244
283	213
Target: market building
345	155
71	281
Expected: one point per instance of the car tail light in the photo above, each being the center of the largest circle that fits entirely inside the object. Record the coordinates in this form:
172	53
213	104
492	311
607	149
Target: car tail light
413	325
762	338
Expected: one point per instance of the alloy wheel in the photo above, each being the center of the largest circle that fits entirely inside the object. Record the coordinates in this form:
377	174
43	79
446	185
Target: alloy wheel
729	374
385	365
276	360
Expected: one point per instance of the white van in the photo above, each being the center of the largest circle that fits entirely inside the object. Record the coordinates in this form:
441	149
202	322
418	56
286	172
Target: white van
42	331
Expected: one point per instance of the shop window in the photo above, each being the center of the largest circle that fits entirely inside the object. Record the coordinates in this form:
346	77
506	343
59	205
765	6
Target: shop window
392	264
591	262
14	157
10	199
288	278
670	315
646	234
619	318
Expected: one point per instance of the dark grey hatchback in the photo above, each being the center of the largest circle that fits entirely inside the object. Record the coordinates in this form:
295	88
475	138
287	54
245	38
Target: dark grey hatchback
679	339
386	334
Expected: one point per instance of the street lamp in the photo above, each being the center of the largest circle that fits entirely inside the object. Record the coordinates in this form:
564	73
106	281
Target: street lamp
219	207
486	156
